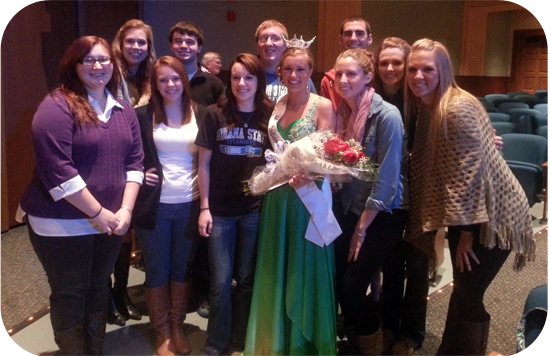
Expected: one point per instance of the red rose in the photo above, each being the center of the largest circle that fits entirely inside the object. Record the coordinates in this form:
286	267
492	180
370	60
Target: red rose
343	147
350	157
361	155
331	147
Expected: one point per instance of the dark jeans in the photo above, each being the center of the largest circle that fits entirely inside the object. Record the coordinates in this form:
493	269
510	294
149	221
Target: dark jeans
404	304
166	249
232	249
469	286
77	268
359	309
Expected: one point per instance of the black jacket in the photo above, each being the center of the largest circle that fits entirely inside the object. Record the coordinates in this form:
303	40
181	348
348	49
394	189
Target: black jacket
145	211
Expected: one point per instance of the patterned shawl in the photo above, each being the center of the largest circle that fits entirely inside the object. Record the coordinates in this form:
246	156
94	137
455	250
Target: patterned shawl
464	181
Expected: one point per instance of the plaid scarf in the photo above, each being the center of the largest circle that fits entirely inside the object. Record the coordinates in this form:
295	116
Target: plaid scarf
351	123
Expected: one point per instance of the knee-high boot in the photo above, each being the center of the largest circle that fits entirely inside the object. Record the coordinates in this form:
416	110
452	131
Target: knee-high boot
179	296
472	338
71	341
448	340
95	332
158	306
119	291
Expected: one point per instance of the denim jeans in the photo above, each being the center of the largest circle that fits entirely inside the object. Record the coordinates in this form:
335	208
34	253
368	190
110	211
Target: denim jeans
166	249
77	268
232	249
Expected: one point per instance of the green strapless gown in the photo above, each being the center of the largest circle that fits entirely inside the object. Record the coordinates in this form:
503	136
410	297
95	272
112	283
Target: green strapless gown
293	308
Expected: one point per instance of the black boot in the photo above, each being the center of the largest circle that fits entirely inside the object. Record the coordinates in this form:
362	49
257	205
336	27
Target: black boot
113	316
448	340
95	332
71	341
120	288
473	338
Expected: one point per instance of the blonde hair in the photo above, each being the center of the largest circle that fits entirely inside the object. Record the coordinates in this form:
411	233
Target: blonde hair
270	23
447	91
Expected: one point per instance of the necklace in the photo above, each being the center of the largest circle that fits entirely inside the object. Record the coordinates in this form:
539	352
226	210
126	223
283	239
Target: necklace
245	123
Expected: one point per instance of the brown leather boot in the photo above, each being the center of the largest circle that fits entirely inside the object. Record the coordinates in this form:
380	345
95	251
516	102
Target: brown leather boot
158	306
371	344
71	341
179	295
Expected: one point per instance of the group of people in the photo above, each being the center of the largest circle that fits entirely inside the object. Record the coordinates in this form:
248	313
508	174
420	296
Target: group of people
162	147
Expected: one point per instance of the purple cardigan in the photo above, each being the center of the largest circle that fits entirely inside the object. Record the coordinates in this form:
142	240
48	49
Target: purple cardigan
101	155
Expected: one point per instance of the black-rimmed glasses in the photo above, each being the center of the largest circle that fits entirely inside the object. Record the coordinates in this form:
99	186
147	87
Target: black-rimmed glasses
89	61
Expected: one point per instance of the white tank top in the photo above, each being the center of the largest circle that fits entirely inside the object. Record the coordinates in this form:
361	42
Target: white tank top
178	157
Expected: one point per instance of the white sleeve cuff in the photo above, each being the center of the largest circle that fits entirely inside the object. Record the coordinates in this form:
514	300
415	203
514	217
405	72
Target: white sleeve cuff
135	176
70	187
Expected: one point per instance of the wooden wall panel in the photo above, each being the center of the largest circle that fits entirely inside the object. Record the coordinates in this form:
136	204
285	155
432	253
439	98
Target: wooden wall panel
481	86
474	33
331	15
24	84
4	221
32	46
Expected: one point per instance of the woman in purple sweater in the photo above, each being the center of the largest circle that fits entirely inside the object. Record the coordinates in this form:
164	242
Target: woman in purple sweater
79	203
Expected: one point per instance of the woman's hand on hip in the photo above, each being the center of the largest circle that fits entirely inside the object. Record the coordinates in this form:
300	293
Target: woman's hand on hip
464	252
497	140
151	179
205	223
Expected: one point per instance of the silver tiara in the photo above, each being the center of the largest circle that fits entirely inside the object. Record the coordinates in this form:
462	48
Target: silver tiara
298	43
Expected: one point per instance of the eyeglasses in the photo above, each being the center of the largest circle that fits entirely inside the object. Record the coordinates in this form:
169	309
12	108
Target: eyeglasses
273	38
89	61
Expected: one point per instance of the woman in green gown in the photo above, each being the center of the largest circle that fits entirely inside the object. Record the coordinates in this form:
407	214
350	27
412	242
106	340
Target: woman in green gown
293	305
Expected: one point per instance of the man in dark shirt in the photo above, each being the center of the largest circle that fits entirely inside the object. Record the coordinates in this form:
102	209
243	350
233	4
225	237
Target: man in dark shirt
186	41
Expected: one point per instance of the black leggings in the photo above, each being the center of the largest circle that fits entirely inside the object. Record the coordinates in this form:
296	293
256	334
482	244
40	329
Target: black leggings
355	277
470	286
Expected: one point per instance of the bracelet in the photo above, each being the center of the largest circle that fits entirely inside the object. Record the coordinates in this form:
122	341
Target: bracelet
203	209
95	216
362	235
126	208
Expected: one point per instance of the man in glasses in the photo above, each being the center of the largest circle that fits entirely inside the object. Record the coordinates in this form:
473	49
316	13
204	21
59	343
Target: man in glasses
270	46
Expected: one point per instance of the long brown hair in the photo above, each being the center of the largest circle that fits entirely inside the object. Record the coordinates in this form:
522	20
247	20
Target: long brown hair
146	66
157	101
391	42
70	85
228	103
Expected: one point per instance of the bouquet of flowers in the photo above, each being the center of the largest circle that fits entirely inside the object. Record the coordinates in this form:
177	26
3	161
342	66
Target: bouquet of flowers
320	153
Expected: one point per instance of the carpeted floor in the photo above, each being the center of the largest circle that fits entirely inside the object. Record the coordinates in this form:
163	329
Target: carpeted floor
25	292
25	289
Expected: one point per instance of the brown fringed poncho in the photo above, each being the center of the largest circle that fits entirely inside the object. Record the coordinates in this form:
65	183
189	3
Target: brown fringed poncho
464	180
